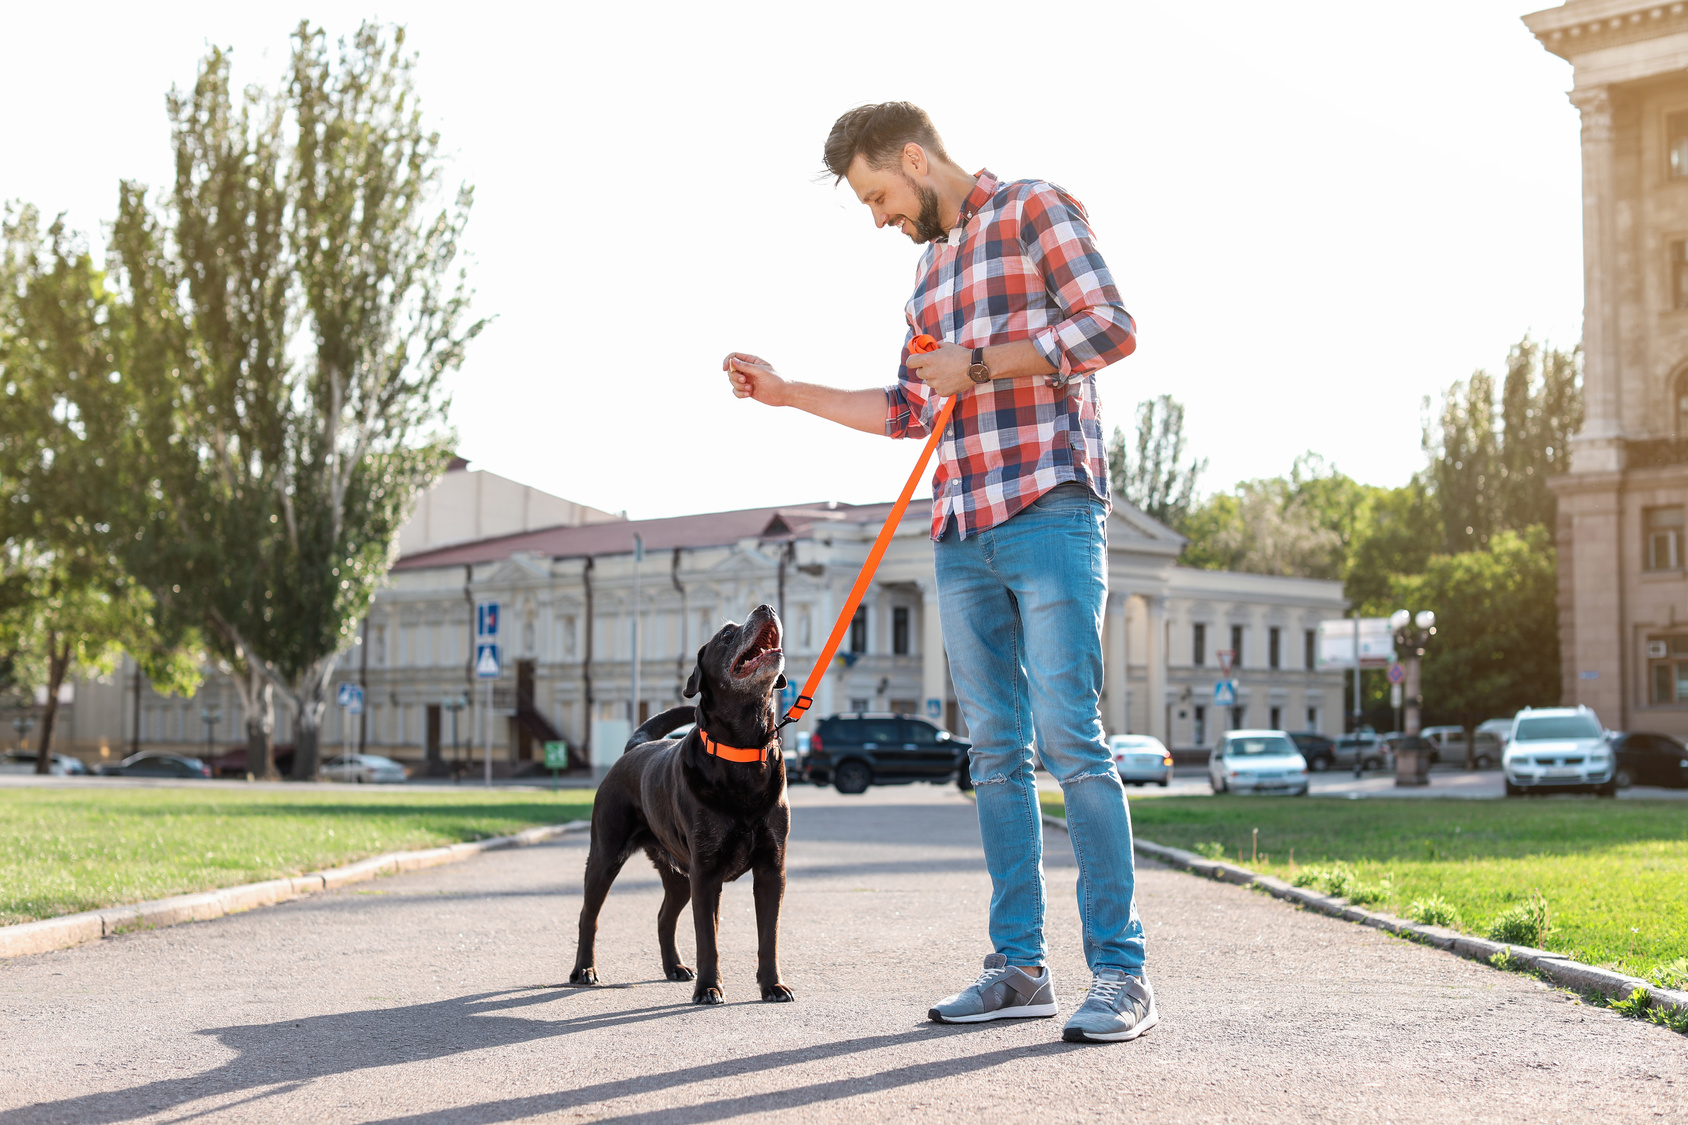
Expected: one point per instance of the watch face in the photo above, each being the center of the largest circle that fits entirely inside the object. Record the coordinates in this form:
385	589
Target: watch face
979	373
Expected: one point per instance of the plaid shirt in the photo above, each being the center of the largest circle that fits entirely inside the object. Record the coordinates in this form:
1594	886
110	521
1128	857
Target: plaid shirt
1024	266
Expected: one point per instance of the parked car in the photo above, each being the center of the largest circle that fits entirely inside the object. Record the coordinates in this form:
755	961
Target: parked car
361	768
1366	746
154	763
1558	749
853	751
1649	759
1319	750
1257	761
23	761
1448	745
1140	759
232	763
1498	729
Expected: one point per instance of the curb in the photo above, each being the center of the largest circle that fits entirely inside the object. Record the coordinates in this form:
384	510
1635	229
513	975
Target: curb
74	929
1556	967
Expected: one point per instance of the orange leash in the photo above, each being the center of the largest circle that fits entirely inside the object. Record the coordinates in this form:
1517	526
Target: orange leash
806	698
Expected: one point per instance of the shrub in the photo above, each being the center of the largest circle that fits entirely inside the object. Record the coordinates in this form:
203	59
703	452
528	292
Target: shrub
1341	881
1211	849
1527	923
1670	974
1434	911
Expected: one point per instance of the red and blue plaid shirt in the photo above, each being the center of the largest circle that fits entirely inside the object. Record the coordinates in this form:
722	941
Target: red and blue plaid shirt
1024	266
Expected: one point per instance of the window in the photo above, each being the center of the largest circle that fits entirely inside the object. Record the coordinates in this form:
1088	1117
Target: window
1312	718
1199	726
921	734
1277	722
1676	142
1310	642
1236	646
1664	538
1274	638
1198	644
1239	715
858	634
859	705
1667	664
1679	274
905	707
899	630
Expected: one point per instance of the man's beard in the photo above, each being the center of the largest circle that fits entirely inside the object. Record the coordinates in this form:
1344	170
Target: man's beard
927	224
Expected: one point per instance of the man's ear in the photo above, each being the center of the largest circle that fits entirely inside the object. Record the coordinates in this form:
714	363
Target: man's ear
779	683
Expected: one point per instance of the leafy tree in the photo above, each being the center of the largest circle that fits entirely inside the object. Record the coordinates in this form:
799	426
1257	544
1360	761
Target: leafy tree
1464	449
1399	529
1301	525
1496	647
1146	469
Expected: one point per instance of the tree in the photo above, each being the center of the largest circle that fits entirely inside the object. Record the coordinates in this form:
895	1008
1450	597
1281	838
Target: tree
1147	470
1464	450
1496	647
1399	529
302	270
1302	525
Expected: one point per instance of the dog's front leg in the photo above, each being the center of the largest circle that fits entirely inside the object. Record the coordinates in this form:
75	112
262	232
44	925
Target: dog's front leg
706	918
770	891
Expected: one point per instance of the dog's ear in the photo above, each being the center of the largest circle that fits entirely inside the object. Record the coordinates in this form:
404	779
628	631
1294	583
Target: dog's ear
779	683
694	682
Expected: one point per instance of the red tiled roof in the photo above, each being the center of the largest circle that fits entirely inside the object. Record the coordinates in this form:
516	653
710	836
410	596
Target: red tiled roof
709	529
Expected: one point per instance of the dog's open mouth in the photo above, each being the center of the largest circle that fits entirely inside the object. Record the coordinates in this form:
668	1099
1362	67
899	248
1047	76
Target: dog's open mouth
764	649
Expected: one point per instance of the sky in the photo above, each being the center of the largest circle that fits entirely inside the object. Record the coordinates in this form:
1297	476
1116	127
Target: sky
1318	213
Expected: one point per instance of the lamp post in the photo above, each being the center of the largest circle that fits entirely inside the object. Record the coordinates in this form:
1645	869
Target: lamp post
210	716
1412	758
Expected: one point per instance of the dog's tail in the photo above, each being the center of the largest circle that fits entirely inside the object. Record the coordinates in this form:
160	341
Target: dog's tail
660	726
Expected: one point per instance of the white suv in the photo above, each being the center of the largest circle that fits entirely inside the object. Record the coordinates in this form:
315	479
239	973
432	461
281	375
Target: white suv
1557	748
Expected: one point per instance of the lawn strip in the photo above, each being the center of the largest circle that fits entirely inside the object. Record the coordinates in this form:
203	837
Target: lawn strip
1603	867
64	851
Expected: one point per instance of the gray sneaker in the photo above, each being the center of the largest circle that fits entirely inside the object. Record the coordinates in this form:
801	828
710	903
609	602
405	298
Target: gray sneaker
1119	1007
1000	992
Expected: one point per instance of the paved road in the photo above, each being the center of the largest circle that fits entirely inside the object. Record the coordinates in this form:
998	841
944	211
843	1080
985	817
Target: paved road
432	997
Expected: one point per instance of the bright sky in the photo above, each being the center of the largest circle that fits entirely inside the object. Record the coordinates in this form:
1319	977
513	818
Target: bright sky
1319	213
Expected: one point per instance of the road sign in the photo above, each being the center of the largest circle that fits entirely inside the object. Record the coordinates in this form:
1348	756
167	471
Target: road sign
556	755
486	619
486	661
1225	694
1336	643
351	698
1226	656
1395	695
934	708
1397	674
345	694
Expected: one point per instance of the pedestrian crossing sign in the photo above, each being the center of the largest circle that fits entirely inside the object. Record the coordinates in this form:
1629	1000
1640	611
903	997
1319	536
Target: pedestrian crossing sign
486	661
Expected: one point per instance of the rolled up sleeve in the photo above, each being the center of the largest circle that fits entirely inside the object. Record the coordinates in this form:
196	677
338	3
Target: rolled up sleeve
905	403
1095	329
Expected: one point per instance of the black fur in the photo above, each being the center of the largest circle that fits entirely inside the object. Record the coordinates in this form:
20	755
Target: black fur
703	820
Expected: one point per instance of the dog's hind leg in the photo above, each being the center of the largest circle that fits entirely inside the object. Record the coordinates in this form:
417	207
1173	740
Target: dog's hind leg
769	887
676	893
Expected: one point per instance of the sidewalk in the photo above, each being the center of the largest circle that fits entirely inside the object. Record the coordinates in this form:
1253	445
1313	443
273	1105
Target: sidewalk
432	997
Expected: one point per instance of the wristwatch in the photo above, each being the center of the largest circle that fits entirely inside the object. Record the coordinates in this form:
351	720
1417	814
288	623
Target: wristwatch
978	372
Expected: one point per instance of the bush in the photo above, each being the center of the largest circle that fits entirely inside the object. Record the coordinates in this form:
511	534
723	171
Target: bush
1434	911
1527	923
1670	974
1210	849
1340	881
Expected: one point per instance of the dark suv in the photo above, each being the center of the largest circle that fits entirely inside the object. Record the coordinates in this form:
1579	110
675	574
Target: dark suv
1319	751
857	750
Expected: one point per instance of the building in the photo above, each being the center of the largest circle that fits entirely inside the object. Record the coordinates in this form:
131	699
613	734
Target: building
570	595
1623	605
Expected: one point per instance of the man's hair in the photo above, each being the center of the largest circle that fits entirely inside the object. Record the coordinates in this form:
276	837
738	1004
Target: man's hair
878	134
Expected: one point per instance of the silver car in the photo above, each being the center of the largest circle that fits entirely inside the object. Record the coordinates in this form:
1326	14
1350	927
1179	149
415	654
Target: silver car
361	768
1140	759
23	761
1558	748
1257	761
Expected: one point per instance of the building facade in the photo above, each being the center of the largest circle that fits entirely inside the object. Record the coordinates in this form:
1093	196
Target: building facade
1623	605
570	596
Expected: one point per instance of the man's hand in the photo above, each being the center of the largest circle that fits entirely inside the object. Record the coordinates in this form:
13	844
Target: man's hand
945	370
754	377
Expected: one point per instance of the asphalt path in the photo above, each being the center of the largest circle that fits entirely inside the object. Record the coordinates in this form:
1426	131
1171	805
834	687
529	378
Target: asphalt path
435	997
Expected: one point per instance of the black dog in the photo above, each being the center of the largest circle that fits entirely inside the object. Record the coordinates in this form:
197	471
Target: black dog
706	808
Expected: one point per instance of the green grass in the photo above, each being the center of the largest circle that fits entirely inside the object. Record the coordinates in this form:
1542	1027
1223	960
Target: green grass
62	851
1611	876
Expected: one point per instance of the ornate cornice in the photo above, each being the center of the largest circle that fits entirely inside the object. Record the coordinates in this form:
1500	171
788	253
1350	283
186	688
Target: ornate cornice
1589	25
1595	105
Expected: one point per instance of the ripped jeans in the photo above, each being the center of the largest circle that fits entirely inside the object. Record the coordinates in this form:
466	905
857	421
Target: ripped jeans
1021	606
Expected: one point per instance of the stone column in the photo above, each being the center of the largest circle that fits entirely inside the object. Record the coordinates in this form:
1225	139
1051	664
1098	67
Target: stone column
1155	658
1118	718
1597	447
933	675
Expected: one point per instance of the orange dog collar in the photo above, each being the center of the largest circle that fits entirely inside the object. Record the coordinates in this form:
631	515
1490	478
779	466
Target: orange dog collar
731	753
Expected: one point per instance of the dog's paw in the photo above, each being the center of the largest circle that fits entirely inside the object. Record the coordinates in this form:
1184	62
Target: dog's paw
708	996
778	994
680	972
584	976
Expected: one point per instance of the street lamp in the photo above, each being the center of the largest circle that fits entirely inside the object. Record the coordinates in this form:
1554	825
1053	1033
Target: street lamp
210	716
1412	632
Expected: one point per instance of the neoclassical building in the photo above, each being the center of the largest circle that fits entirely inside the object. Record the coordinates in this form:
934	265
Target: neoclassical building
570	594
1623	605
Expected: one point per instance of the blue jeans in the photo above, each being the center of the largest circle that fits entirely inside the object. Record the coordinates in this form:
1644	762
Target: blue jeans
1021	606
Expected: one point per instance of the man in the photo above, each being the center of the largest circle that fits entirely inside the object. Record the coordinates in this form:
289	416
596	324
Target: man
1012	283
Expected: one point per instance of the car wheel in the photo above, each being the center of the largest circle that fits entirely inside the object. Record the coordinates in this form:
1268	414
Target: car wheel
1610	789
358	779
852	778
1513	790
1302	792
964	779
1622	778
1165	781
1484	762
1321	764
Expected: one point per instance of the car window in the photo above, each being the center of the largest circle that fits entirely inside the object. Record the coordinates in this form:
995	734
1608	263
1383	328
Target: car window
1557	726
919	733
845	731
1257	747
881	731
